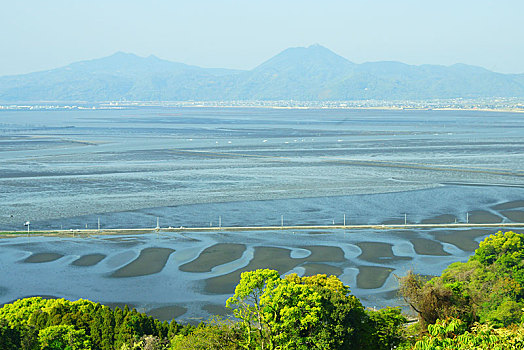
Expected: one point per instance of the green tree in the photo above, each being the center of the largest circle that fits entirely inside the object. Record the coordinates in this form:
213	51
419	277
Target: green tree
9	337
489	287
299	313
215	334
63	338
453	334
105	328
386	328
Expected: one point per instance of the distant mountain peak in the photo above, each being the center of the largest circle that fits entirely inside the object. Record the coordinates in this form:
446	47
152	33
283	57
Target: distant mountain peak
299	73
319	47
118	54
312	56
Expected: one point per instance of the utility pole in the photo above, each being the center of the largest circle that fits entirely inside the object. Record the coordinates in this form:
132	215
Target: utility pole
405	219
98	224
219	222
467	218
157	223
344	219
281	221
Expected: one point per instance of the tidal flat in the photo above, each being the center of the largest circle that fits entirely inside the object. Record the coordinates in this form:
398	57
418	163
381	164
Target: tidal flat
88	260
213	256
467	240
150	261
210	167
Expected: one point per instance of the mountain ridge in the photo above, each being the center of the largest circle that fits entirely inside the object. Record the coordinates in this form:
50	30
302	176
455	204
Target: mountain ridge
297	73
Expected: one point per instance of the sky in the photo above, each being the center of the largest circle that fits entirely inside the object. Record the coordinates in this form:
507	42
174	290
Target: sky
37	35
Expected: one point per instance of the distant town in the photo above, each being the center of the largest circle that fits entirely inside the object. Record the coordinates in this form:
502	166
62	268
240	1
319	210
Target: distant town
481	104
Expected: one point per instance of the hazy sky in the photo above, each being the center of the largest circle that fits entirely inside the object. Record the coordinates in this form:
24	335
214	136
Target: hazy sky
37	34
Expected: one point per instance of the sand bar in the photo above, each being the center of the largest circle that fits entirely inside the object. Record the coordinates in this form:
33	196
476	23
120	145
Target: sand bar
378	252
481	216
441	219
509	205
514	215
43	257
372	277
213	256
323	253
167	313
424	246
150	261
463	239
88	260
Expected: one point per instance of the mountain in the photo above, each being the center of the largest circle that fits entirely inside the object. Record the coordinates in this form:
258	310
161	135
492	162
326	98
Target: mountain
119	76
312	73
295	73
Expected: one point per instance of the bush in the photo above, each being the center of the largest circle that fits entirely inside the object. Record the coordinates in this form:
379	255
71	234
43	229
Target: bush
487	288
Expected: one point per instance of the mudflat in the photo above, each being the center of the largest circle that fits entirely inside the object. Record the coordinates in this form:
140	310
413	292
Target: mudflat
167	313
483	217
43	257
440	219
378	252
463	239
150	261
89	260
424	246
279	259
514	215
509	205
218	254
371	277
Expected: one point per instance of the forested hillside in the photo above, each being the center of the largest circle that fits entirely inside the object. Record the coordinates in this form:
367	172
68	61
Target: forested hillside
312	73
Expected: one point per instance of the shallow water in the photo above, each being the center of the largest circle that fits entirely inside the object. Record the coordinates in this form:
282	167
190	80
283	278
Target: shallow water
63	169
240	167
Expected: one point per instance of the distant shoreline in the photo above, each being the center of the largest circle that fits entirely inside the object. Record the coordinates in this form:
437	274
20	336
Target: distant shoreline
398	109
305	105
128	231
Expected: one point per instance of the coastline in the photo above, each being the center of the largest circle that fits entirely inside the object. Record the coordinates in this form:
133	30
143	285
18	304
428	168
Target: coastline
345	228
472	106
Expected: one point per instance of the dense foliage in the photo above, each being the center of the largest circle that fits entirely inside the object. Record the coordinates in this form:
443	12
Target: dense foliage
36	323
453	334
486	288
308	312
